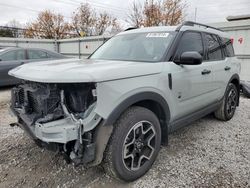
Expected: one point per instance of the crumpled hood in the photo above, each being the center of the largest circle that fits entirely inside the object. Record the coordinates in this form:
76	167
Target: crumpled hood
79	70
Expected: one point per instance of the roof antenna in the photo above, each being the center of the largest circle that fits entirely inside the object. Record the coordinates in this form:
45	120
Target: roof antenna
195	14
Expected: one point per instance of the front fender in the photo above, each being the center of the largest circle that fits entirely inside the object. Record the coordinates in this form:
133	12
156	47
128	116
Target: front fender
141	96
112	94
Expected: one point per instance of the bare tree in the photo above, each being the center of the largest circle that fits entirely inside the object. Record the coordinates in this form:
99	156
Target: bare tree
102	23
15	27
157	12
6	33
106	22
49	26
87	22
115	26
84	19
14	23
135	16
172	12
153	13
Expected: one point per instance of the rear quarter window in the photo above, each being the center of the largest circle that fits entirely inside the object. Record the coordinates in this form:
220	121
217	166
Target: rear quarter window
227	46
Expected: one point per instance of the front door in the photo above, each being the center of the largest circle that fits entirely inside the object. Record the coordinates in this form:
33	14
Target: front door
8	61
191	83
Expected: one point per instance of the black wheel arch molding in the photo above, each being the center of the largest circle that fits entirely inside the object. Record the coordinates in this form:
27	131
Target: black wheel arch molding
142	96
138	99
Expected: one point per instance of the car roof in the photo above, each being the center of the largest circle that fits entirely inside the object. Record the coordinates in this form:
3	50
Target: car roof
150	29
201	28
205	29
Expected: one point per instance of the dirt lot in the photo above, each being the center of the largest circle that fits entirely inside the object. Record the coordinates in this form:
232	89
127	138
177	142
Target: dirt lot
208	153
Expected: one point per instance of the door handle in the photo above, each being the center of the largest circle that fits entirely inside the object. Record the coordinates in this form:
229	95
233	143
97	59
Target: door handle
227	68
205	71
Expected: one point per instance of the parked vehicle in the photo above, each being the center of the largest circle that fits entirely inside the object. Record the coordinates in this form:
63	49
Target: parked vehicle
245	88
12	57
119	105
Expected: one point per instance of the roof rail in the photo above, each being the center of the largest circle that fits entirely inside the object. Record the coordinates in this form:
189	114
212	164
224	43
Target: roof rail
131	28
190	23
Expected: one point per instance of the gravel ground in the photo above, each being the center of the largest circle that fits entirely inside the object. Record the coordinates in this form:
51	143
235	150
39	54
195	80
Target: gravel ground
208	153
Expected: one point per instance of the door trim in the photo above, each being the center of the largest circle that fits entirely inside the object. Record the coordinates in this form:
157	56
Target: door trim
187	119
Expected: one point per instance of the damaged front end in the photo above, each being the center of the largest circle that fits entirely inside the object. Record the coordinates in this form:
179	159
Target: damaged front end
59	116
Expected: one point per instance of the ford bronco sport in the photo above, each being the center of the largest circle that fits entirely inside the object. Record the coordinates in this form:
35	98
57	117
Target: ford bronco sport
119	105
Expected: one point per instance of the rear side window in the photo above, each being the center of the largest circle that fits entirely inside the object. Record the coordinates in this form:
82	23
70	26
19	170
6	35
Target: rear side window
214	51
227	47
37	54
190	41
20	54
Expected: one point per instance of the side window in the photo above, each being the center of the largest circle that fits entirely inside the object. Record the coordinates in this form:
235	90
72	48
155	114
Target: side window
9	56
37	54
20	54
228	47
13	55
214	51
190	41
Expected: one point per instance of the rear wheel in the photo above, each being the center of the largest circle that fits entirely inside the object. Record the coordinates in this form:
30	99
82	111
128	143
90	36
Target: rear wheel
134	145
229	104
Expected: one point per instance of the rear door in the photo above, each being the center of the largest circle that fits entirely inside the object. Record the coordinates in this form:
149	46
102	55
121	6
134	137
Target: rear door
10	60
220	65
191	83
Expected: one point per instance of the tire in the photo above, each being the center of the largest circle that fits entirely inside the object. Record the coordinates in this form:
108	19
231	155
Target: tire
230	100
127	142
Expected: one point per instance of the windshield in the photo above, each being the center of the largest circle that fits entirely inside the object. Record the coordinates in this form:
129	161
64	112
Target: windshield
149	47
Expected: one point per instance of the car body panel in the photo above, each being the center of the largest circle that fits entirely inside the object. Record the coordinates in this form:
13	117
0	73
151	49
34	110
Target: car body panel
220	82
118	90
76	70
194	94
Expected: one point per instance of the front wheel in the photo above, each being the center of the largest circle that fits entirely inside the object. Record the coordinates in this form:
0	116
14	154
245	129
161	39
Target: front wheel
134	144
227	109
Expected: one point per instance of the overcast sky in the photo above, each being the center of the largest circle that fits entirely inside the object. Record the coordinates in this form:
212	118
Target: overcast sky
207	10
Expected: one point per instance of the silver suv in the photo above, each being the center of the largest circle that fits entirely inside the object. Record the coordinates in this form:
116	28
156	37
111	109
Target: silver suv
119	105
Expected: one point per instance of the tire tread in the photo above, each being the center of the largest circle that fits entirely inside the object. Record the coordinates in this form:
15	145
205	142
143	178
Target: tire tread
119	127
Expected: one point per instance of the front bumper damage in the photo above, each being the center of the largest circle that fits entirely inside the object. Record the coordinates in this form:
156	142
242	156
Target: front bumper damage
72	135
62	130
65	130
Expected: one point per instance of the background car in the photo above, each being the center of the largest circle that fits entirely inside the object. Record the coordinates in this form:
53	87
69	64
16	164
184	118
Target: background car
13	57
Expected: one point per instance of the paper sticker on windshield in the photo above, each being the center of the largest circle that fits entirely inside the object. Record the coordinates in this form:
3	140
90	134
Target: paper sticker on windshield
156	35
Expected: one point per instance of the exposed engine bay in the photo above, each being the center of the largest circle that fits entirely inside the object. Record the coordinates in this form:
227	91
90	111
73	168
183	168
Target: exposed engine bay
41	102
58	116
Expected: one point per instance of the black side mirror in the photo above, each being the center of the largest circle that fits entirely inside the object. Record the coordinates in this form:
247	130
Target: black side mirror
190	58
